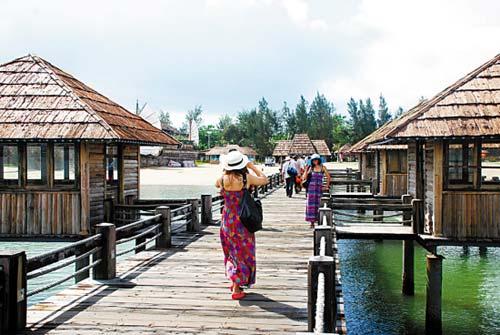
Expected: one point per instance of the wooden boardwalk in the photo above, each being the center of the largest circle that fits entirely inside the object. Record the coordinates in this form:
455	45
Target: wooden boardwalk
183	289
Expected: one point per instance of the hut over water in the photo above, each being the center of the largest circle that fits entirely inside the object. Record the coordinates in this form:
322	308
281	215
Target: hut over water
66	151
301	145
454	156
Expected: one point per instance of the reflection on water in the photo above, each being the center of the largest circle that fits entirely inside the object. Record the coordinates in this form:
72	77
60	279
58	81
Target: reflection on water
371	282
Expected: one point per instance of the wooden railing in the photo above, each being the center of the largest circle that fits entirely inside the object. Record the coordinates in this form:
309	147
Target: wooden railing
145	222
322	311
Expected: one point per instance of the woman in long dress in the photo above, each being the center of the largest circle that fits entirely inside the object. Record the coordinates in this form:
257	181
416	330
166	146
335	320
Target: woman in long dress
316	172
238	244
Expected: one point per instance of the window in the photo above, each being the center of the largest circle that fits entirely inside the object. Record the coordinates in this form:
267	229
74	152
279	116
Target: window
396	161
9	164
36	163
490	163
64	164
461	163
370	160
111	165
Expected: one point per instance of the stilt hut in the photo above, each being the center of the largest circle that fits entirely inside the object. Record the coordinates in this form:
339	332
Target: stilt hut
66	151
454	157
301	145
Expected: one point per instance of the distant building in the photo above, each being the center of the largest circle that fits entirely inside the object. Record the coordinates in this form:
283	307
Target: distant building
213	154
301	145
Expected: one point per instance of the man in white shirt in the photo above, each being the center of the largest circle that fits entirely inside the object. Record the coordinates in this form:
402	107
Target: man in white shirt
289	170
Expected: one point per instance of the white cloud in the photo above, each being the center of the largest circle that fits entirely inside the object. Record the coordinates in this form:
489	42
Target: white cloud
415	48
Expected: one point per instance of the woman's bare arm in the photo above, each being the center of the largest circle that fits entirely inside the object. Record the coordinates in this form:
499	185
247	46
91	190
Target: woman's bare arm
218	183
328	177
259	179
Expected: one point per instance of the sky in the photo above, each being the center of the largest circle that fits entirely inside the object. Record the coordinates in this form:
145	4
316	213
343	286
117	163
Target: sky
225	55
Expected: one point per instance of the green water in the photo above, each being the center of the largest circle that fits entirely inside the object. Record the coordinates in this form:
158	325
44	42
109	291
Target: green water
371	275
371	282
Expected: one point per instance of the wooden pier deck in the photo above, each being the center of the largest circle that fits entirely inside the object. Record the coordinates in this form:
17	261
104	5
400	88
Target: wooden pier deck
183	289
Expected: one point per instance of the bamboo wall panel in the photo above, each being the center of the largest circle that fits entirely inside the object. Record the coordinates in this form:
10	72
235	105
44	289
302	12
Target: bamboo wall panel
40	213
367	172
395	184
131	170
471	215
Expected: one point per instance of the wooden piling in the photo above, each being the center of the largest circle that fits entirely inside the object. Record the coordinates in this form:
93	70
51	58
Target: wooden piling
13	289
106	269
194	225
325	265
483	251
206	209
433	321
165	240
408	268
325	212
326	232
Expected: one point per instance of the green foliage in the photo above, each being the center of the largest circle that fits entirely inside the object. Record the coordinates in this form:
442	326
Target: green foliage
383	112
399	112
321	116
165	118
301	117
209	137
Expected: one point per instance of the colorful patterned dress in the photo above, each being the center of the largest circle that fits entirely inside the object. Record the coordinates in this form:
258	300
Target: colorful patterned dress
238	244
314	192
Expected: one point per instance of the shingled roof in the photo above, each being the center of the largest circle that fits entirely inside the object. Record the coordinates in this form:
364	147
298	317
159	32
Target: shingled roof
217	151
302	145
39	101
321	147
468	108
282	148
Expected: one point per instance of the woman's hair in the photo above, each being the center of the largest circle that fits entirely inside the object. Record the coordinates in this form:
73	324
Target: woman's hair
316	159
241	173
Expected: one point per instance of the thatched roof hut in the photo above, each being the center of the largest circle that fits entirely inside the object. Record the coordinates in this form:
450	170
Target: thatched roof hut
301	144
67	152
214	153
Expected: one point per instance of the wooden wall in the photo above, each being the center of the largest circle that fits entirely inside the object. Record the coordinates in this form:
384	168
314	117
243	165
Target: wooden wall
367	172
97	175
471	214
395	184
40	213
412	169
131	170
429	189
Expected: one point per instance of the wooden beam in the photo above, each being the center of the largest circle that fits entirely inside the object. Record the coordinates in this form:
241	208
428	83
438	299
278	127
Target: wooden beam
438	189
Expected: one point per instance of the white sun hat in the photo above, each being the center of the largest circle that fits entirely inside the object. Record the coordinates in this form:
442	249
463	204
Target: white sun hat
234	160
315	156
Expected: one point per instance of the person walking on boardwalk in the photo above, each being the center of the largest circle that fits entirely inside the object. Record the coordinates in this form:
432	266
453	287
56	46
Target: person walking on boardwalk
316	172
289	171
238	244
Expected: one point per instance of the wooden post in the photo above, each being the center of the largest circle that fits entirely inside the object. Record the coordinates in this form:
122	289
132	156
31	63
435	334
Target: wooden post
324	201
139	241
374	186
12	292
206	209
326	232
408	268
406	200
483	251
325	265
418	216
194	226
433	322
325	212
165	239
85	261
107	268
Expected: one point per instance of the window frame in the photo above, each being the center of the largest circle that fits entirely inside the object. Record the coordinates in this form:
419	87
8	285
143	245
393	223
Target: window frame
44	165
66	183
10	183
112	183
474	166
402	163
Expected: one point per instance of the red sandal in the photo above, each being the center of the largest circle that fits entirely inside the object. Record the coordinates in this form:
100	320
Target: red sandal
238	296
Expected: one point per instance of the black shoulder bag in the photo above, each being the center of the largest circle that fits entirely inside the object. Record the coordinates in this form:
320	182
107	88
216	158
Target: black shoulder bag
250	210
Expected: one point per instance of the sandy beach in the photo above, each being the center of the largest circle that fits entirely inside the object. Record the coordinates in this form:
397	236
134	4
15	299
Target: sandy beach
205	174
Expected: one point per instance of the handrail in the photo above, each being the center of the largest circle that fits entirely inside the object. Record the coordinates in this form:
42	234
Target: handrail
138	224
134	237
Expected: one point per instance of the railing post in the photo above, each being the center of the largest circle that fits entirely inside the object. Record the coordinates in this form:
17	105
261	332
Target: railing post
165	239
406	200
194	226
326	232
106	269
325	265
418	216
85	261
206	209
12	292
138	241
325	212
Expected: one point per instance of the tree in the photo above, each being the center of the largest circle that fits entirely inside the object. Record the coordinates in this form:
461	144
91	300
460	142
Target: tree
193	116
321	119
209	136
367	118
383	112
352	109
165	118
301	116
399	112
224	122
289	120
